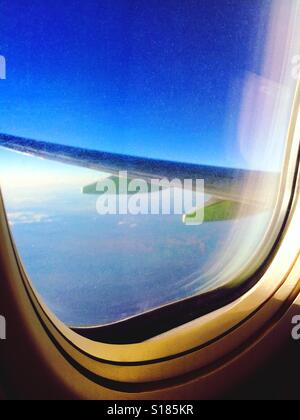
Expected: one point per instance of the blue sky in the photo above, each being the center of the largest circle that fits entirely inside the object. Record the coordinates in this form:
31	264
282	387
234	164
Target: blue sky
143	77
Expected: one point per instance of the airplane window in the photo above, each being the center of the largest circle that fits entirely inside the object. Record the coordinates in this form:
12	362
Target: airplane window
160	90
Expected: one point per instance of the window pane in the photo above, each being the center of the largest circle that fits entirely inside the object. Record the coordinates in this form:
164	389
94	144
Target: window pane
201	81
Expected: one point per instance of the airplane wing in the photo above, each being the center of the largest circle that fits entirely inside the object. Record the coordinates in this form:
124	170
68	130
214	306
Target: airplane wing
226	186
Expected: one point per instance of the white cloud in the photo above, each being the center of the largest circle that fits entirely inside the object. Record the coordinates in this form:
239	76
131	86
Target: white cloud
27	218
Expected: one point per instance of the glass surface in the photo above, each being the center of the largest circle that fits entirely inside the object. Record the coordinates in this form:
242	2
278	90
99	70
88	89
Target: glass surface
200	81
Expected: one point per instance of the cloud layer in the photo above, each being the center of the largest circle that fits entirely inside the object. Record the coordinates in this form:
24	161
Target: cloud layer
27	218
